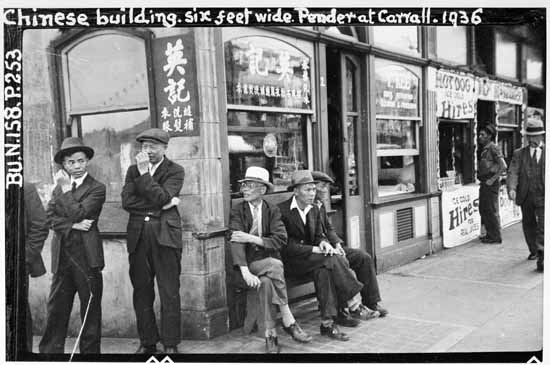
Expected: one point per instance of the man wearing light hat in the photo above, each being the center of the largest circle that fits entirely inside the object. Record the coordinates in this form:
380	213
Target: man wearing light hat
77	250
154	241
257	236
525	185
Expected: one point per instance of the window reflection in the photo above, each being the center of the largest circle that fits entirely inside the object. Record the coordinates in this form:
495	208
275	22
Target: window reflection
401	37
451	44
395	134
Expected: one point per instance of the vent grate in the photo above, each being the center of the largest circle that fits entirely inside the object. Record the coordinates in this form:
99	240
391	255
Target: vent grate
405	224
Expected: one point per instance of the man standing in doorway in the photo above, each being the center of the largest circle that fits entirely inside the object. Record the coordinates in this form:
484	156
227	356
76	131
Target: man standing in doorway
150	195
77	250
526	187
491	166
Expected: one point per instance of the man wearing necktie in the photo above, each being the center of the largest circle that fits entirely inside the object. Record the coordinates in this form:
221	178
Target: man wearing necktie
525	185
257	236
77	250
154	241
491	166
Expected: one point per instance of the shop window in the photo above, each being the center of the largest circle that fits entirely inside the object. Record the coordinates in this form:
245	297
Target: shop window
506	56
506	143
106	93
400	38
397	127
533	65
451	44
344	32
507	114
455	158
269	108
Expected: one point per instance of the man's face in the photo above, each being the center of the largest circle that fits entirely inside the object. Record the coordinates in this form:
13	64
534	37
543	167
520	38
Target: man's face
252	190
322	188
484	137
154	150
76	164
305	194
535	141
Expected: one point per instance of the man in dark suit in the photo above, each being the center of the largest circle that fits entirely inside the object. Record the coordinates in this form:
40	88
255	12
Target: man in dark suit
525	185
77	250
359	261
36	231
150	195
308	252
257	236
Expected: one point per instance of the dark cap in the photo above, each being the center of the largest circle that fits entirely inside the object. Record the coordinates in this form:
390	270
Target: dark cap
321	176
71	145
154	134
491	129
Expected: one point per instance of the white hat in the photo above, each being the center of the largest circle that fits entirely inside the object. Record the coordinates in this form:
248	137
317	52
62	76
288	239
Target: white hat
258	174
533	127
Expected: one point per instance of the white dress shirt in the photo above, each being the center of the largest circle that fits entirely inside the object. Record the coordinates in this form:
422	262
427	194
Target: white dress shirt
78	181
536	150
153	168
259	218
303	213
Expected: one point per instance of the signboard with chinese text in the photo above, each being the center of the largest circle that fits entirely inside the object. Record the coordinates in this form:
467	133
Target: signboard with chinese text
460	214
397	90
263	71
176	87
456	95
491	90
509	212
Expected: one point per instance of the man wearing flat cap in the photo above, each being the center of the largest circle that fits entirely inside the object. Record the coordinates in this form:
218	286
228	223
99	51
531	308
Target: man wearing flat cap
525	185
77	250
491	166
154	241
359	261
309	253
257	236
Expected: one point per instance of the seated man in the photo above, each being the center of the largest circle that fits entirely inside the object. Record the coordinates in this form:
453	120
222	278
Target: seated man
359	261
309	253
257	235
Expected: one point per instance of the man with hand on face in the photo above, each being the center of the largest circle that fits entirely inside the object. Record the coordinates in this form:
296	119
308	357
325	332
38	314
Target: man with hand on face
308	252
525	185
359	261
77	250
150	195
257	236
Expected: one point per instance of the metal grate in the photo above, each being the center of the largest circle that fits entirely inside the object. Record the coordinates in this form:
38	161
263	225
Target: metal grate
405	224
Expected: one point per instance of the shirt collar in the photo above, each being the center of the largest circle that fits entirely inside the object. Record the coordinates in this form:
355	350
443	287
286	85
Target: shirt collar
252	206
154	167
80	180
294	204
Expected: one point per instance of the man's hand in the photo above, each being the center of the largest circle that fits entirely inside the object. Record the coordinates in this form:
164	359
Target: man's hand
173	203
142	161
251	280
63	180
489	182
512	195
84	225
242	237
326	248
340	249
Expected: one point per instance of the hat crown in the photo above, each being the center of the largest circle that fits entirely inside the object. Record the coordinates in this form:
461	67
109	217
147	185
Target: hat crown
71	142
154	134
300	177
256	173
534	126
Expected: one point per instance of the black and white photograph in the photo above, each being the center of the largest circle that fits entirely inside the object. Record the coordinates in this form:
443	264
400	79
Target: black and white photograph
274	183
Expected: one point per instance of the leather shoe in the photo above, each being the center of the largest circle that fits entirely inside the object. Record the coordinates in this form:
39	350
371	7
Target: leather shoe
272	345
377	308
143	349
532	256
171	350
490	241
540	266
345	320
364	313
333	332
297	333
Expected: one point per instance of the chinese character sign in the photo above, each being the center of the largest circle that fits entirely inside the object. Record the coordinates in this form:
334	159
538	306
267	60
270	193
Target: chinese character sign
176	85
397	91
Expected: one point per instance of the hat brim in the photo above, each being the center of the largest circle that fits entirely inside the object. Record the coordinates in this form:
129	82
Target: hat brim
60	155
151	139
269	185
291	187
538	133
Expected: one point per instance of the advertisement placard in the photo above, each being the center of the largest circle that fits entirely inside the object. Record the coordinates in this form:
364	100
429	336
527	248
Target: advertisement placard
460	213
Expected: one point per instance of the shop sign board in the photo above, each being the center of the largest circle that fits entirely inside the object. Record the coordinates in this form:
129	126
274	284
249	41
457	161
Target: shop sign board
176	87
491	90
460	215
396	91
456	95
509	212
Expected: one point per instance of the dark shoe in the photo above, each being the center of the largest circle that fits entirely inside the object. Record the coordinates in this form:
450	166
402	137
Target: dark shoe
171	350
532	256
142	349
383	311
540	266
272	345
297	333
333	332
491	241
345	320
364	313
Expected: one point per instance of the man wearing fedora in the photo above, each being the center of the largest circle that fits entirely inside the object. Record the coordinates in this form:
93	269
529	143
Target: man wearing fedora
359	261
309	253
77	250
525	185
257	236
154	241
491	166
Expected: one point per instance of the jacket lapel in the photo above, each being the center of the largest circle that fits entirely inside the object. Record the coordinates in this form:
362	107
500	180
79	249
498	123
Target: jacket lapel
83	188
297	220
247	217
161	170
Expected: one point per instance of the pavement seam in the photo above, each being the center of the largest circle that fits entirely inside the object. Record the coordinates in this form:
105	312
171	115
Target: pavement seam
482	282
431	322
451	339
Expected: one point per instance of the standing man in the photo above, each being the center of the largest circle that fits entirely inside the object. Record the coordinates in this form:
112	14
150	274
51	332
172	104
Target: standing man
77	250
150	195
36	231
257	236
308	252
359	261
526	187
491	166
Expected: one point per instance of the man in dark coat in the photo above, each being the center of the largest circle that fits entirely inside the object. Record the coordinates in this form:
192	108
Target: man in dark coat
491	166
257	236
525	185
36	231
359	261
150	195
308	252
77	250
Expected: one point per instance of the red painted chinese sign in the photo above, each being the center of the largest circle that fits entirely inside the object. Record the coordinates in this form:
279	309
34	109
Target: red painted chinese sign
176	85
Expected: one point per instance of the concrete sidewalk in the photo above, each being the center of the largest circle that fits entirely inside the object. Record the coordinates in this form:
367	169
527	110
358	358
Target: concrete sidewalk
472	298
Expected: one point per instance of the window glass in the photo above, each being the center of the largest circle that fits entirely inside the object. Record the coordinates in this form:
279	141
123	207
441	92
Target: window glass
404	38
506	144
506	56
507	113
397	175
395	134
451	44
534	65
455	163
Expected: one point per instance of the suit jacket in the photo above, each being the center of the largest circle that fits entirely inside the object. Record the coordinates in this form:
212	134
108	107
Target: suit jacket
518	173
328	229
144	195
273	233
36	228
64	209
